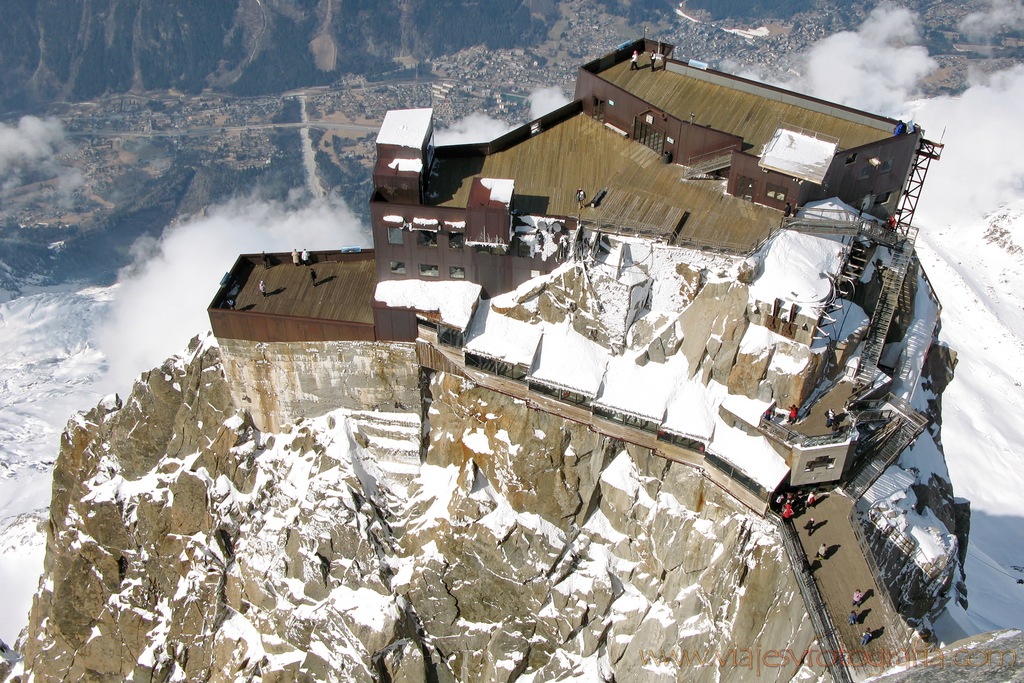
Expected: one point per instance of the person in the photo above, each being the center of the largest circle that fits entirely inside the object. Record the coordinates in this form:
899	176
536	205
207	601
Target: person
305	257
769	414
581	197
787	511
295	257
822	552
633	66
655	58
858	597
231	304
263	289
830	417
853	617
266	261
811	500
866	638
789	210
810	526
312	276
792	414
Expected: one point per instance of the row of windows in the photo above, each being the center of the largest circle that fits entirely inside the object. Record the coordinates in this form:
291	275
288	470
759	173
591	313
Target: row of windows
425	238
430	270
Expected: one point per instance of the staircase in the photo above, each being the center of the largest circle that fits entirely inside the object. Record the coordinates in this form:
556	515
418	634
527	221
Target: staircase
708	166
892	287
883	447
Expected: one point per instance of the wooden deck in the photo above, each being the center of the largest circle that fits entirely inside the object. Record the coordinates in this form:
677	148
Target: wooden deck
343	290
748	115
843	571
644	194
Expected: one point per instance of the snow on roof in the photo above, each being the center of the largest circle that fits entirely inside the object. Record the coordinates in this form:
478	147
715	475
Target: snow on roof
642	391
569	360
752	454
454	301
693	409
501	189
503	338
414	165
393	219
426	224
797	268
798	154
455	225
749	410
406	127
832	208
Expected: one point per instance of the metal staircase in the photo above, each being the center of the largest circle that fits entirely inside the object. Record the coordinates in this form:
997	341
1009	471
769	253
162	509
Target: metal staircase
892	285
882	448
708	166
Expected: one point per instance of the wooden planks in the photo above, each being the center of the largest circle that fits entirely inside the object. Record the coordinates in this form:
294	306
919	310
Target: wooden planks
344	289
643	193
753	118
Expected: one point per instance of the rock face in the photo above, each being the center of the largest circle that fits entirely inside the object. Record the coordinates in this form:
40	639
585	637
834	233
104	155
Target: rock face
278	383
186	545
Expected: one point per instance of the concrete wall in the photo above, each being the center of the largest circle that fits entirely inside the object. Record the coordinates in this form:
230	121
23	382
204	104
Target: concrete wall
279	382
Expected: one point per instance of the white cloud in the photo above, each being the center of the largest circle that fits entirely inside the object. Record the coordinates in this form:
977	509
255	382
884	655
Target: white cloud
546	100
978	172
476	127
33	145
162	298
1003	15
878	68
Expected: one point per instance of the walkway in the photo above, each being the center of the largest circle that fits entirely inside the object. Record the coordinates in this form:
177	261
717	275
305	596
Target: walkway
842	572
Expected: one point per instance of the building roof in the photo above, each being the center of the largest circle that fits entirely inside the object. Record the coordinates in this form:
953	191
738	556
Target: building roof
405	127
751	110
643	193
344	290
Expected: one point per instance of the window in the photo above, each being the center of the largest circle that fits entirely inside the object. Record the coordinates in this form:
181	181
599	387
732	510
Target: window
822	461
457	272
428	270
394	235
649	136
883	198
522	249
497	249
398	267
455	240
426	238
776	192
864	173
886	166
851	158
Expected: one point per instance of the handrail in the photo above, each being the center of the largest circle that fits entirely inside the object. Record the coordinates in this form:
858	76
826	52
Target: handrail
869	556
813	601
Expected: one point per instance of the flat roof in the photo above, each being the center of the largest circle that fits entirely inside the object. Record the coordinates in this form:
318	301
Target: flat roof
405	127
751	110
344	289
644	193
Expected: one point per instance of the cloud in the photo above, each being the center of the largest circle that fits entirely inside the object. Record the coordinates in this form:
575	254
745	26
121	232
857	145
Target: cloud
877	68
32	146
546	100
1004	15
162	297
978	172
476	127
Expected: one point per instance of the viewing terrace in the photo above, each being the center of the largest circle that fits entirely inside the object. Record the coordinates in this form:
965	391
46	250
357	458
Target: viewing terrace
337	304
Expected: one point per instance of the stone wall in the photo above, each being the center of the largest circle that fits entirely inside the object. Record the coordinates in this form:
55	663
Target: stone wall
280	382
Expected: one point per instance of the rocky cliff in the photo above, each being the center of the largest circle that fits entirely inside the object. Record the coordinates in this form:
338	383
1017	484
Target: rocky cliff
186	545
